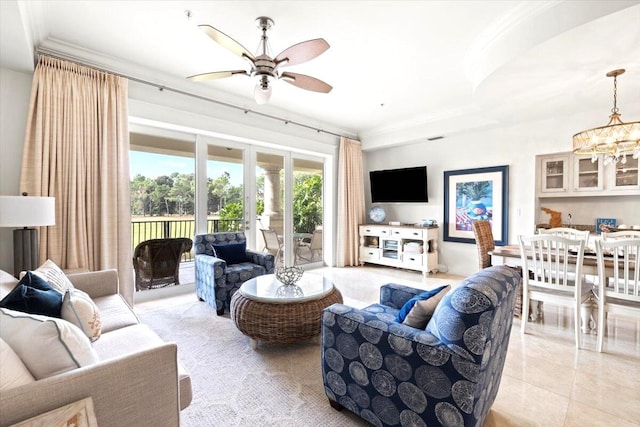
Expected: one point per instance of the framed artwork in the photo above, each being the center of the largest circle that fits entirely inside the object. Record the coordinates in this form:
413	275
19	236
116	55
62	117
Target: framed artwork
476	194
603	224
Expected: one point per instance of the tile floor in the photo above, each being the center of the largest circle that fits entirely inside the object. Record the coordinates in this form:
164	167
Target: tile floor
546	381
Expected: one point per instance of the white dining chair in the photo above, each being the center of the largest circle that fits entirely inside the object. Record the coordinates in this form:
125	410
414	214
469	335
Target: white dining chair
569	233
555	275
624	234
619	284
589	281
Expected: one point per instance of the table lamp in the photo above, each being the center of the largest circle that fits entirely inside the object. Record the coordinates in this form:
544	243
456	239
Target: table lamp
26	211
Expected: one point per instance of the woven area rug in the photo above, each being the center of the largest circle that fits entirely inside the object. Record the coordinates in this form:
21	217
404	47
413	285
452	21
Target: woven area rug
234	385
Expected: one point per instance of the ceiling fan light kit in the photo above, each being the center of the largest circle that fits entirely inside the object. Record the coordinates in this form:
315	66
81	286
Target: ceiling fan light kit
616	140
264	68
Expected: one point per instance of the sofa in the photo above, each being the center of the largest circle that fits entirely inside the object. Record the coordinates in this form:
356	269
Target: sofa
447	373
136	380
223	264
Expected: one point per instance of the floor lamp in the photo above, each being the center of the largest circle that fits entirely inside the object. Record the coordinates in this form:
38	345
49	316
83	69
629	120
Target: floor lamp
26	211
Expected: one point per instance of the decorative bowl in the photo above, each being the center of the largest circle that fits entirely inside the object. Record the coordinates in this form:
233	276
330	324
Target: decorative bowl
288	275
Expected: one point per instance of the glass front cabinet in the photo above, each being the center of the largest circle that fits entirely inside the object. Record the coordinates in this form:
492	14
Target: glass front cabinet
555	174
571	175
587	174
626	175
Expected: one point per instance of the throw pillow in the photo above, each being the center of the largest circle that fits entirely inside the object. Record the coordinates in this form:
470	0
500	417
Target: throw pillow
418	310
79	309
232	253
13	372
33	295
50	272
47	346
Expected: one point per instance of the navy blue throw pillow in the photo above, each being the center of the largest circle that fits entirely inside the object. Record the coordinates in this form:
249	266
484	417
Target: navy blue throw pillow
232	253
35	296
406	308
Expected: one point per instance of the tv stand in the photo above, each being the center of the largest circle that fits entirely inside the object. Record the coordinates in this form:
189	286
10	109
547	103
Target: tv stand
402	246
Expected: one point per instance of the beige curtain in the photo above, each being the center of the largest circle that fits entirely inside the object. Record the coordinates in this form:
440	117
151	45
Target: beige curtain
350	202
77	150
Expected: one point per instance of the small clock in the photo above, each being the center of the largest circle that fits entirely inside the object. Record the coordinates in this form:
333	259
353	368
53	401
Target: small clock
377	214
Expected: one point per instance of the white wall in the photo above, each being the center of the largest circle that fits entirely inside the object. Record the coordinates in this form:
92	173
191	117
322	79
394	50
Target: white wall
516	146
14	104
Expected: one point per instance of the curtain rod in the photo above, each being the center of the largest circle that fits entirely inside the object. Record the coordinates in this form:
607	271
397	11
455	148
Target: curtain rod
40	51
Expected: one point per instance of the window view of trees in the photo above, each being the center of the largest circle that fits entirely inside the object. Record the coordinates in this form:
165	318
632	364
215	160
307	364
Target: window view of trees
174	195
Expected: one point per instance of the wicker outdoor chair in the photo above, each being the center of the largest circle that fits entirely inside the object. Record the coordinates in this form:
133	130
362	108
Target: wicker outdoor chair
157	262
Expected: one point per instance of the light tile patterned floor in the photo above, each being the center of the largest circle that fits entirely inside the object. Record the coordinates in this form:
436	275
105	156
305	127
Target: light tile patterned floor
546	380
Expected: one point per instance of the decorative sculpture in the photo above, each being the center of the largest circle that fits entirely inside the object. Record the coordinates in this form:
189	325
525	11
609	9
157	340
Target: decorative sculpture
556	217
288	275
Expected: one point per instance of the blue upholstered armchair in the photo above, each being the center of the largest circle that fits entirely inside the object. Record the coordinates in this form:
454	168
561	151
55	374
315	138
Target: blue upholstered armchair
448	374
223	264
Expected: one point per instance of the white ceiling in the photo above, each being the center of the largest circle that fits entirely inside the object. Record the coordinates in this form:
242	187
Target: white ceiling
431	67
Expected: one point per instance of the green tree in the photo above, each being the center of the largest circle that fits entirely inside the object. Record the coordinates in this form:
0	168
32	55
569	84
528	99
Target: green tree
307	202
160	196
231	211
182	193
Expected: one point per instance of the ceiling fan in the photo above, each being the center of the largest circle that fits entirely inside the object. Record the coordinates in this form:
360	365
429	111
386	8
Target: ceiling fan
266	68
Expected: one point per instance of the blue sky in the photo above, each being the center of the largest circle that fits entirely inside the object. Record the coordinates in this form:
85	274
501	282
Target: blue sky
153	165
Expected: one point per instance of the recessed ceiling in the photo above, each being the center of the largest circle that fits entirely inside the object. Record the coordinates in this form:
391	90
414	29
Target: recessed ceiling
438	67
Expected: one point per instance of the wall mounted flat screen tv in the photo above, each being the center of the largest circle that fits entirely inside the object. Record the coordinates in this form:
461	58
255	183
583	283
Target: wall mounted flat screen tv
407	185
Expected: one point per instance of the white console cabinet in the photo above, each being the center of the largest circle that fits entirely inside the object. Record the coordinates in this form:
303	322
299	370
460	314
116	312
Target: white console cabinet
413	248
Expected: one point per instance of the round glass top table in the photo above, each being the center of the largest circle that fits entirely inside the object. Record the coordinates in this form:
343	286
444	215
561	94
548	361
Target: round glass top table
269	289
264	309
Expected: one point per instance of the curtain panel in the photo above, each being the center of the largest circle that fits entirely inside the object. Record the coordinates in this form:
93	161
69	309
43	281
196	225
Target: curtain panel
77	150
351	208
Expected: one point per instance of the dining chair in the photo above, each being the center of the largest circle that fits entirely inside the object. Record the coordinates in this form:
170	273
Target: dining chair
624	234
484	242
572	233
272	243
569	233
621	294
555	265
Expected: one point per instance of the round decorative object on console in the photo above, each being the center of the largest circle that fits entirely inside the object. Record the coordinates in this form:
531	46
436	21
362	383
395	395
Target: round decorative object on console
288	275
377	214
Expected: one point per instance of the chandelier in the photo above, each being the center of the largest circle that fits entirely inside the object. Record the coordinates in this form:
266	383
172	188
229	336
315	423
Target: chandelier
616	140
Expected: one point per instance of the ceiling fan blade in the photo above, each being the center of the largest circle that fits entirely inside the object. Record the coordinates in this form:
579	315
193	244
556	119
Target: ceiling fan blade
216	75
227	42
302	52
306	82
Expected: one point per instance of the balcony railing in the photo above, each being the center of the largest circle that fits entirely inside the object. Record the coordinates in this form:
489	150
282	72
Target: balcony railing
142	230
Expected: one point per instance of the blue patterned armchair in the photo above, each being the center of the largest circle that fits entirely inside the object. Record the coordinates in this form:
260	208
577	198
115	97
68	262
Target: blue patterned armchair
448	374
223	264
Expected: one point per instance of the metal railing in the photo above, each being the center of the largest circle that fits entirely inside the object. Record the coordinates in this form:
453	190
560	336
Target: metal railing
172	228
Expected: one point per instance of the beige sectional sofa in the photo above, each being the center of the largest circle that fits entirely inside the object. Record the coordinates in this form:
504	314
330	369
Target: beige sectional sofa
137	380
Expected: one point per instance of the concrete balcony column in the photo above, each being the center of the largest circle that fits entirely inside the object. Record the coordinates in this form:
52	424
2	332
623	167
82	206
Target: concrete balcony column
272	216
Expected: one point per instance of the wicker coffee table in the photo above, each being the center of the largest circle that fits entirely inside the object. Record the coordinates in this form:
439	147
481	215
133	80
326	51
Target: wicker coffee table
266	310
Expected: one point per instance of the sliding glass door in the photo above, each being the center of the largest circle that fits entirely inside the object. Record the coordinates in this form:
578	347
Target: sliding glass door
208	184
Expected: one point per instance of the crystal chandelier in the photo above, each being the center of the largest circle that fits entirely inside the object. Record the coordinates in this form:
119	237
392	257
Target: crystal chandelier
616	140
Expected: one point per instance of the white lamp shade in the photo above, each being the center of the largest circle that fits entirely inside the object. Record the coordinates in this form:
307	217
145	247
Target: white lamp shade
27	211
261	95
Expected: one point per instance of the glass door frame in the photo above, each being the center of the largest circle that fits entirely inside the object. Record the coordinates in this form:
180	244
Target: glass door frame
203	138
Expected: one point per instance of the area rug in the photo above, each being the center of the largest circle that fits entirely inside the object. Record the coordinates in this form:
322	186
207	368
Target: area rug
234	385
